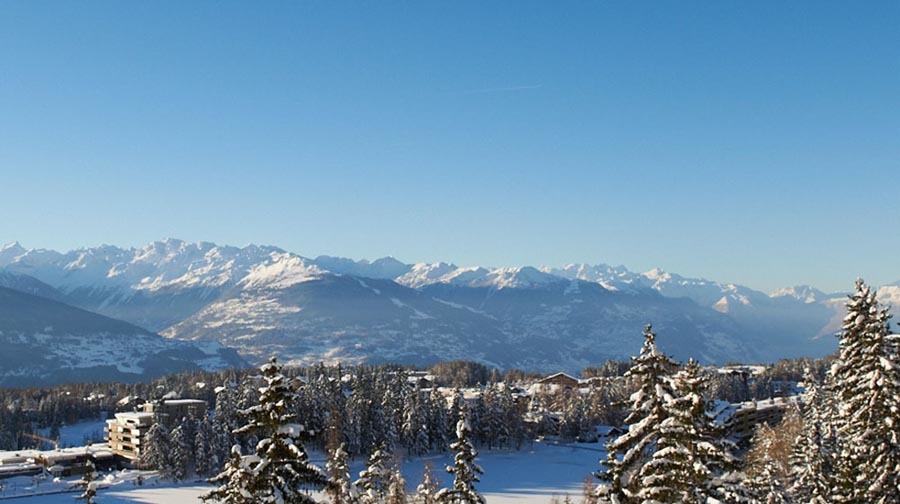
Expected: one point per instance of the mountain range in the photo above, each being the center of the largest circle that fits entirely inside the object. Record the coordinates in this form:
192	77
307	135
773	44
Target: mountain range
262	300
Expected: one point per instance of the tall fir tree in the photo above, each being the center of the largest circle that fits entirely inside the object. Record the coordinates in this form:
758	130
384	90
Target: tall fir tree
809	481
340	488
157	450
280	471
867	382
374	480
206	456
626	454
234	481
396	493
766	484
465	470
182	453
426	492
678	470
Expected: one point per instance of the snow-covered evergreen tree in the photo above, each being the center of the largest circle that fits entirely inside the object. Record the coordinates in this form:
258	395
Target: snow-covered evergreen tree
157	450
340	488
620	481
677	470
866	379
766	484
809	481
437	420
88	484
234	481
206	456
464	469
396	493
415	425
374	480
766	487
426	492
182	454
280	471
225	422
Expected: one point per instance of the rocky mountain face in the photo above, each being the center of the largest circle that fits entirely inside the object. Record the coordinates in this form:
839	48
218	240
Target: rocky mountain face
47	342
263	300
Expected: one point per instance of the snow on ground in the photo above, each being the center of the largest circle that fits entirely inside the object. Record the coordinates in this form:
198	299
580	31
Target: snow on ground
78	434
533	475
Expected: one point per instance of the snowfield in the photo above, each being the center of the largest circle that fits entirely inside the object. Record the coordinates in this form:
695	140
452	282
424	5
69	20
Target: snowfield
535	474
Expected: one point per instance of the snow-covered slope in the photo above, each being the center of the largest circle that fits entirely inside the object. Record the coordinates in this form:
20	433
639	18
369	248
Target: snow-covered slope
46	342
294	310
543	326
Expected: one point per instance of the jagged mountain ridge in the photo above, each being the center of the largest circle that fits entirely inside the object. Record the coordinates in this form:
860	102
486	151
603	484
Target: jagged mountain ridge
47	342
195	290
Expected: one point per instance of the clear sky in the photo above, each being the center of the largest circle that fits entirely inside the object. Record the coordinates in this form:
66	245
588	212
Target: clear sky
753	142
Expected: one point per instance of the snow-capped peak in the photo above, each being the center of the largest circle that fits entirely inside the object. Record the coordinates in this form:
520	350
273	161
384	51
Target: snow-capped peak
10	252
283	271
526	276
657	274
803	293
422	274
614	278
14	246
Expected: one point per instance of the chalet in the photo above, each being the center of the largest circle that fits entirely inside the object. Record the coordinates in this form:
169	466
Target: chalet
421	379
561	380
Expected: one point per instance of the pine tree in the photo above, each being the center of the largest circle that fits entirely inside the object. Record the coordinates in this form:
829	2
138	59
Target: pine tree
280	470
206	456
88	484
766	484
234	481
396	493
437	420
464	469
414	428
157	450
340	488
675	471
808	461
652	370
182	454
374	479
867	382
225	422
426	492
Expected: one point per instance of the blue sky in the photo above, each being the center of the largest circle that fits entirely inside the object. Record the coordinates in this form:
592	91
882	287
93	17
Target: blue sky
754	142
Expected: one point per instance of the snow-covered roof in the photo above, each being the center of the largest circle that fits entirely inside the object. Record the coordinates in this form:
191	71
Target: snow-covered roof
98	450
557	375
18	458
135	417
181	402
